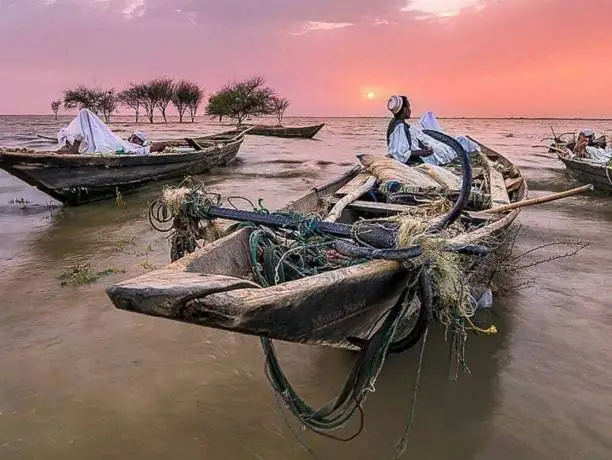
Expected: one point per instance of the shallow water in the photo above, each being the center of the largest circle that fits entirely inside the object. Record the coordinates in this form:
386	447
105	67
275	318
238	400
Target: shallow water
81	379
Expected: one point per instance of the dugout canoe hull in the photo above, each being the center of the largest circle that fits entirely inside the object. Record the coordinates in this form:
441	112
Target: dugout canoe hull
80	179
211	287
301	132
600	175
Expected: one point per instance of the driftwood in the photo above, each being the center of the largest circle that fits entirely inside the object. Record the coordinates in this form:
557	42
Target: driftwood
334	214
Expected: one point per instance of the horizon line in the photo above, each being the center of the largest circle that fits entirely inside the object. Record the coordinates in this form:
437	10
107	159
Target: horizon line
342	116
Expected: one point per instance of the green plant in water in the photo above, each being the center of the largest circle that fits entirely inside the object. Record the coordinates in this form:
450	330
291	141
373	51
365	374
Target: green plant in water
81	274
125	242
119	201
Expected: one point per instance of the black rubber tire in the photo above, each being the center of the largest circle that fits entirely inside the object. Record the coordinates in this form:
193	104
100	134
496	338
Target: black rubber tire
425	295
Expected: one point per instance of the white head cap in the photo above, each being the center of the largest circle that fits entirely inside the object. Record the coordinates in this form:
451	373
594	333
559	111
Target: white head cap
394	104
140	135
587	132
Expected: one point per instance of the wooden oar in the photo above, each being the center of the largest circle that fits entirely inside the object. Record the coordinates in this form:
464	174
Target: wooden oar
539	200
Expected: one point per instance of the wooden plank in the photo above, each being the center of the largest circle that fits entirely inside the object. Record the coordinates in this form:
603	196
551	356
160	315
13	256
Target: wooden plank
334	214
499	194
354	184
374	207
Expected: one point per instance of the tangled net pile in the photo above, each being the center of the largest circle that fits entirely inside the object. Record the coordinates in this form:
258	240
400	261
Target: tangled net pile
286	254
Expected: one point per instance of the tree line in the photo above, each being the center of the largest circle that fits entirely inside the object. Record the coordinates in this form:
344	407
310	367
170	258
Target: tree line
237	100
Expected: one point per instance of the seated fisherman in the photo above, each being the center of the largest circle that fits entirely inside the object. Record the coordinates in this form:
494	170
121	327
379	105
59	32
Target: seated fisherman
88	134
409	144
586	148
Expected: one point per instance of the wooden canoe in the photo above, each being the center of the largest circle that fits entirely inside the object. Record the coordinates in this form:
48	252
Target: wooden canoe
213	286
79	179
584	170
303	132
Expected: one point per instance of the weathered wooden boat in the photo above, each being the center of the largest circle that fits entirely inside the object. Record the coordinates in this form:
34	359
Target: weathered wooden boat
79	179
585	170
215	285
303	132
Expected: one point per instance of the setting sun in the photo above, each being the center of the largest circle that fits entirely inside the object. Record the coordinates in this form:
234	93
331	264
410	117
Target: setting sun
371	95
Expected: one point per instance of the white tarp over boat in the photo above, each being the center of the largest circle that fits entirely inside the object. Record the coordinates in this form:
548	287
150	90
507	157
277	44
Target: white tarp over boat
429	121
96	137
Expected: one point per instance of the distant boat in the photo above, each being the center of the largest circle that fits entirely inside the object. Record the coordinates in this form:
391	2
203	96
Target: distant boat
303	132
583	169
79	179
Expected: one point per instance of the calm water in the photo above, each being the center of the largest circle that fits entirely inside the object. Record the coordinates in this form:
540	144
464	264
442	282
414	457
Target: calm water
82	380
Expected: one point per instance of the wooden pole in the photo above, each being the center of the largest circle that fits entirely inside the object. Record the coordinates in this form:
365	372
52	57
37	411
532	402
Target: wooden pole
334	214
539	200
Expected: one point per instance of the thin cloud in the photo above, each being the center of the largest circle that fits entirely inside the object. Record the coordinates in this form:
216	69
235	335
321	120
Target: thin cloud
311	26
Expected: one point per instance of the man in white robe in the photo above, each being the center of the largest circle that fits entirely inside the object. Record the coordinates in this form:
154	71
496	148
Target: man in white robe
409	143
87	134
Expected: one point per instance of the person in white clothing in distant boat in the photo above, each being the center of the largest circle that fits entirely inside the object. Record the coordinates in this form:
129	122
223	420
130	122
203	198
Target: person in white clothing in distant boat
409	144
88	134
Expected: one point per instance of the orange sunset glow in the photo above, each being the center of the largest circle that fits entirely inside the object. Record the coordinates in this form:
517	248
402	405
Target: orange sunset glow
483	58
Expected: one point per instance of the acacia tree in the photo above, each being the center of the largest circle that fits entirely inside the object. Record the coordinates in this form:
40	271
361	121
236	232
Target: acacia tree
195	100
240	100
133	97
107	104
278	105
218	105
187	95
55	106
95	99
82	97
148	100
163	90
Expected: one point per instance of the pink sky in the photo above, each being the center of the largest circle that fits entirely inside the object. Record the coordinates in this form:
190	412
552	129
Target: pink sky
549	58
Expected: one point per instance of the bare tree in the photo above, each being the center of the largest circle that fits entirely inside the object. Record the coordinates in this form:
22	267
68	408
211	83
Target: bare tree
195	100
278	105
161	91
133	97
108	102
187	95
148	101
94	99
82	97
55	106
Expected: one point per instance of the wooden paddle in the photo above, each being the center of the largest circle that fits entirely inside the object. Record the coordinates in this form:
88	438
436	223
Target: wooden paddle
538	200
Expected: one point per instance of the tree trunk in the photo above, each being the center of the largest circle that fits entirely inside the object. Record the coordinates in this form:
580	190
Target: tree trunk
163	111
136	115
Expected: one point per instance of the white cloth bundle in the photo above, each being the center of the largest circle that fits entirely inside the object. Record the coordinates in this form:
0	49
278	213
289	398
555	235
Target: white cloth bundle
95	136
429	121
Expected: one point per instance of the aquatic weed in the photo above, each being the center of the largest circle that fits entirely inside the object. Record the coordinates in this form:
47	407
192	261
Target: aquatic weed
119	201
81	274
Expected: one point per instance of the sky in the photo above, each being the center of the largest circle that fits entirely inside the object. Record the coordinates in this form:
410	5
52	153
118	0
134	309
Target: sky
464	58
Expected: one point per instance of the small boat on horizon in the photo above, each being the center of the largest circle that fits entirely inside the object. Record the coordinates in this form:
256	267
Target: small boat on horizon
84	178
301	132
